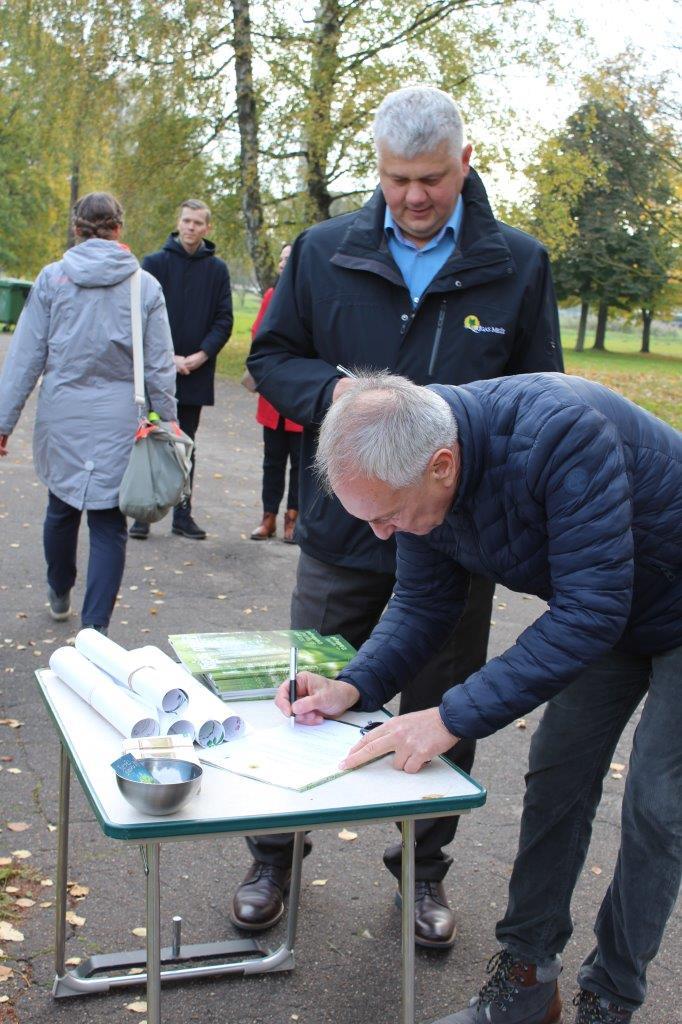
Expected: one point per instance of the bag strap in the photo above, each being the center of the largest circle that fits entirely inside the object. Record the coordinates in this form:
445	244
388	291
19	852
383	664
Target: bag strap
138	353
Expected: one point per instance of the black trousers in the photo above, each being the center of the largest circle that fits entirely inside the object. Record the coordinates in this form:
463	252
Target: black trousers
332	599
279	447
188	421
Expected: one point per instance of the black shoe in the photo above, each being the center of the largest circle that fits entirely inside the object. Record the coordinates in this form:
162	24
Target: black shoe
258	903
140	531
184	526
60	604
594	1010
434	921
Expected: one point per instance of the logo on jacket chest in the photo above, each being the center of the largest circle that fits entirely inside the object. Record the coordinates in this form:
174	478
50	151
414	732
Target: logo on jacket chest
472	323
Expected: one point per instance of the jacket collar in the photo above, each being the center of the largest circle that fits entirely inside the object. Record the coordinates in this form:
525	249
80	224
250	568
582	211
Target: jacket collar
481	243
172	244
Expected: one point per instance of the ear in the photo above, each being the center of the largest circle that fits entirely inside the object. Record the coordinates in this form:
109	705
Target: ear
442	465
466	159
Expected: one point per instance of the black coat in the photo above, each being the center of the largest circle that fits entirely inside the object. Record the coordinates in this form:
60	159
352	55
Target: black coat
490	311
199	302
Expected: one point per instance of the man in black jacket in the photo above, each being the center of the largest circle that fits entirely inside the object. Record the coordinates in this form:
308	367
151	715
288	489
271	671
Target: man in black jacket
196	286
424	282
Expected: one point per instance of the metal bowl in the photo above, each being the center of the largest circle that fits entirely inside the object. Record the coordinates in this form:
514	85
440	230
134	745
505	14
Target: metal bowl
178	782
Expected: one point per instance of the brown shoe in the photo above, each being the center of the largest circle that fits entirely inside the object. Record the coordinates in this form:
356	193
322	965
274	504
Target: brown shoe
258	903
434	921
290	517
267	528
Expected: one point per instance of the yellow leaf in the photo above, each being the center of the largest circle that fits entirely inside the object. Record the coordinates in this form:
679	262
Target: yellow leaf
78	891
46	882
9	934
616	767
11	888
74	961
73	918
520	723
140	932
11	722
45	904
14	771
616	775
5	862
17	826
319	881
596	870
433	796
6	973
24	902
21	854
138	1007
347	836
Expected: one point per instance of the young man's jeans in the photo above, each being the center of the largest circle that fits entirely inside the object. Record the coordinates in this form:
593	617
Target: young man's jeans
569	757
108	537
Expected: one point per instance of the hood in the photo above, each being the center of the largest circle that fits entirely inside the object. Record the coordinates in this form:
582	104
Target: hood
173	245
98	263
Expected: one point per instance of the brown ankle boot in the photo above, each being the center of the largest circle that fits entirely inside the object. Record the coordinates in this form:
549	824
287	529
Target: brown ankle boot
267	528
290	517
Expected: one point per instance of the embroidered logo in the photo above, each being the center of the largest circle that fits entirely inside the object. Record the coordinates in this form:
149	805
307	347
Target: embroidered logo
472	323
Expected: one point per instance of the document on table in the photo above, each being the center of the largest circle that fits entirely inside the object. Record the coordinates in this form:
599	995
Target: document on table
294	758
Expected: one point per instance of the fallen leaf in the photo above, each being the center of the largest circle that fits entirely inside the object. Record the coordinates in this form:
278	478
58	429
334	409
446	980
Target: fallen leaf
11	888
4	999
131	588
11	722
347	836
138	1007
222	597
140	932
319	881
46	882
5	862
153	611
247	611
616	767
24	902
9	934
294	1016
21	854
14	771
74	961
6	973
73	918
433	796
520	723
366	934
148	568
45	904
78	891
616	775
17	826
51	828
596	870
136	970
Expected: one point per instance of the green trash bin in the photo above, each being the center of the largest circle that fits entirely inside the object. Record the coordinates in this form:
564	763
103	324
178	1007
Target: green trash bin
13	295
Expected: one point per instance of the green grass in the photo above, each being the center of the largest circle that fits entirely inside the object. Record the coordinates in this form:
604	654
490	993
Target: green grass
653	381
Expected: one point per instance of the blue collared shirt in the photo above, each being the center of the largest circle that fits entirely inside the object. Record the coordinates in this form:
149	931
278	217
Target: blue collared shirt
420	266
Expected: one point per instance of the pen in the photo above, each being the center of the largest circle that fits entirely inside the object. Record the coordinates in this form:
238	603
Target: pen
345	372
293	671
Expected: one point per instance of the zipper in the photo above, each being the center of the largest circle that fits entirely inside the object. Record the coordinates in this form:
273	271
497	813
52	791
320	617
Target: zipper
437	336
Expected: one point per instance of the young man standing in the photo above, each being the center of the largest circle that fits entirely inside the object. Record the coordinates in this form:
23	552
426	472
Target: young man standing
196	286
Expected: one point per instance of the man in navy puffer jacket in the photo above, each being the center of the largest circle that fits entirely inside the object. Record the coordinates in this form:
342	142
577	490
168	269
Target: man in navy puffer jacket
554	486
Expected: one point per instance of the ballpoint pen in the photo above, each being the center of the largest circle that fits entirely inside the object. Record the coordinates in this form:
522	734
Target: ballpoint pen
345	372
293	670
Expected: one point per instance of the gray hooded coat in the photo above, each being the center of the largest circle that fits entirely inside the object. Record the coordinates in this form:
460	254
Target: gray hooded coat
75	330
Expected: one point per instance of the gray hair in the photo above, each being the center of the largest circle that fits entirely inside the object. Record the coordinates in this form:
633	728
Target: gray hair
383	428
417	120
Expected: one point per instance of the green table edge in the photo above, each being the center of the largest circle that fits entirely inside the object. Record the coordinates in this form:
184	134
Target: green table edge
151	830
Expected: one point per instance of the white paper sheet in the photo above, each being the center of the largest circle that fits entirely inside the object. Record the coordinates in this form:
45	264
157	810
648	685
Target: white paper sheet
127	715
131	670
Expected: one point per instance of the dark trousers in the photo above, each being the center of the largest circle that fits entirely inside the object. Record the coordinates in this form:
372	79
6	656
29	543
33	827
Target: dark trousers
332	599
188	421
280	446
106	562
570	754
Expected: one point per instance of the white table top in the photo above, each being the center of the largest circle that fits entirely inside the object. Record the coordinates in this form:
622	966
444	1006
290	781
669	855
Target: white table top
231	803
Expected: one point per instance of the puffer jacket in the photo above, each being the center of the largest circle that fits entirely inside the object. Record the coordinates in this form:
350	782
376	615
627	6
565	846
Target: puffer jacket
568	491
75	330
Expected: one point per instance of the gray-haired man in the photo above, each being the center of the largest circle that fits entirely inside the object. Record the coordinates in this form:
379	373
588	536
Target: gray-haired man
425	282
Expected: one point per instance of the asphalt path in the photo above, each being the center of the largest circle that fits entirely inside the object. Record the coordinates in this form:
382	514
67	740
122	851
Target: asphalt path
348	950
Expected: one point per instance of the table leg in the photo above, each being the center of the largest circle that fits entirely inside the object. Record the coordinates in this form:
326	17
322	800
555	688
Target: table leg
62	863
407	888
151	851
295	889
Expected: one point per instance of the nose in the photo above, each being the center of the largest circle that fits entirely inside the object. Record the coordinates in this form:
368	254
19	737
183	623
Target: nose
416	194
383	531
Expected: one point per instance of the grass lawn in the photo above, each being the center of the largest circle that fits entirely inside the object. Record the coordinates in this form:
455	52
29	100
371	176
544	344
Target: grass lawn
653	381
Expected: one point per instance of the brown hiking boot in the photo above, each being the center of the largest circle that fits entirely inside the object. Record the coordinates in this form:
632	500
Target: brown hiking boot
290	517
267	528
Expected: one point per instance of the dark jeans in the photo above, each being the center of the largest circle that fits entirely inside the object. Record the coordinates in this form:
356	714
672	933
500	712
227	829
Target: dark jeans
569	756
188	421
332	599
106	562
279	446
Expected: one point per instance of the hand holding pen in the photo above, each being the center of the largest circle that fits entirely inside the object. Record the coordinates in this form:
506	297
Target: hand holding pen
293	672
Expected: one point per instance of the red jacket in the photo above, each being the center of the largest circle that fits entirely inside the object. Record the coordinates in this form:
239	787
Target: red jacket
266	414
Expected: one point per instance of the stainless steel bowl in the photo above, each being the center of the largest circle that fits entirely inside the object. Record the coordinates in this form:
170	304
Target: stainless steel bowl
178	782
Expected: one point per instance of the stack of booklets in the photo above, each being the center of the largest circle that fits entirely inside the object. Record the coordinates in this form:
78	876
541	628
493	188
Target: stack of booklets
252	664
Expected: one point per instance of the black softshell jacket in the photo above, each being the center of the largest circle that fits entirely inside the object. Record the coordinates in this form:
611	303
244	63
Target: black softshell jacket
490	311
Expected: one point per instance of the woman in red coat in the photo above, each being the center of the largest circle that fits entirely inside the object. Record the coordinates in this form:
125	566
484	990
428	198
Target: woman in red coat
281	443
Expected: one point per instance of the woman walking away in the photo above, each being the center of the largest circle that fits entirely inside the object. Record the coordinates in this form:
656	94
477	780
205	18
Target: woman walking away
75	330
281	443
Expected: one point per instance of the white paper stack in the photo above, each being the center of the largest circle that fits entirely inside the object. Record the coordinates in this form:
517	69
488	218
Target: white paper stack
132	670
127	715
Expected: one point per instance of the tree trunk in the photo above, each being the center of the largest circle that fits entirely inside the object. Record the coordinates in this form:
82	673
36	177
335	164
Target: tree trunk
582	326
323	70
75	186
647	317
247	117
602	317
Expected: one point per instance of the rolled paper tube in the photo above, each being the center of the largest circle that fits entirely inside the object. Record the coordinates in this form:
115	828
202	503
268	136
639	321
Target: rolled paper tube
127	668
118	707
175	725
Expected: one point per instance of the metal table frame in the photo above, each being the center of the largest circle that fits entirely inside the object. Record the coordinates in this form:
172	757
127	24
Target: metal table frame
249	956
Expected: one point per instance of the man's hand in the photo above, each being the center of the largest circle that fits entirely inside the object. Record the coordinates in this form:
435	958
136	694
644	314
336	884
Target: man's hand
3	445
342	384
195	360
416	739
317	698
180	366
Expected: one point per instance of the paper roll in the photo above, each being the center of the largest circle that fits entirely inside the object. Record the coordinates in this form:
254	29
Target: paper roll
119	708
128	669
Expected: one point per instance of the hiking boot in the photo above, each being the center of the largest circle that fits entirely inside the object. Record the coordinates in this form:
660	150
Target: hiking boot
516	993
290	517
594	1009
267	527
60	605
139	531
184	525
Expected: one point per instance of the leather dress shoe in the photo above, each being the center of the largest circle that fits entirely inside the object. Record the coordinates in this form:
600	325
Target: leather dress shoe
434	921
258	903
